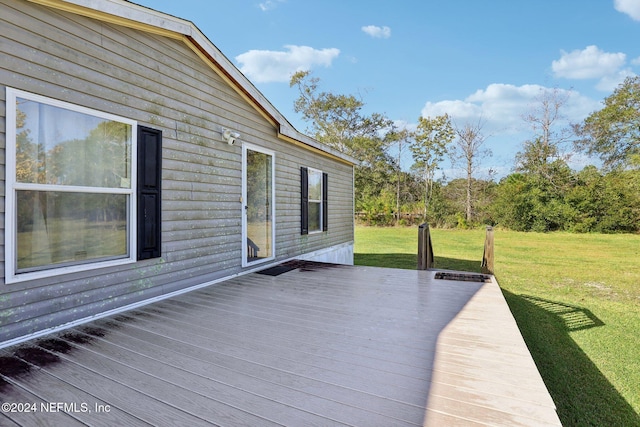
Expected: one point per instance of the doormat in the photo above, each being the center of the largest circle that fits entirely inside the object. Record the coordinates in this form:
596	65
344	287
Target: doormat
303	265
480	278
277	270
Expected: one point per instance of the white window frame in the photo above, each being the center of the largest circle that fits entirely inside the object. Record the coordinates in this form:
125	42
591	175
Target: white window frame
318	201
12	186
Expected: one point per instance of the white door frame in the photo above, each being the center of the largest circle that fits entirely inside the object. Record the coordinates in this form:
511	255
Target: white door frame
245	147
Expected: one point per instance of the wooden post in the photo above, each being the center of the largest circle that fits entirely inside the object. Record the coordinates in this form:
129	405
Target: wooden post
487	256
422	236
425	250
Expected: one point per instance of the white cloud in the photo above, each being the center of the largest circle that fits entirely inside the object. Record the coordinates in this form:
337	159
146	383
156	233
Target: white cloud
500	109
589	63
630	7
377	32
593	63
609	83
403	124
502	106
499	105
263	66
461	110
269	4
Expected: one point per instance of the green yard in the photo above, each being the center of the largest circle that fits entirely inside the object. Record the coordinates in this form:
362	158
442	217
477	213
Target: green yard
576	298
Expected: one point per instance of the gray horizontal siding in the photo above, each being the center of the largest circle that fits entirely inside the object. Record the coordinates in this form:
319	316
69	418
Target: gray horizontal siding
160	83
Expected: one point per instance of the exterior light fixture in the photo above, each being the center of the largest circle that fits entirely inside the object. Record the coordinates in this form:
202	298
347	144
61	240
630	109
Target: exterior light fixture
229	136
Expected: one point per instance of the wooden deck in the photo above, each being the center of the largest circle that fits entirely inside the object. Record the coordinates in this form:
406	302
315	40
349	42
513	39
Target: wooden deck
321	345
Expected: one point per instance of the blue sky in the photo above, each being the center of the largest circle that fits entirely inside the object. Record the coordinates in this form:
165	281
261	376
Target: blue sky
475	60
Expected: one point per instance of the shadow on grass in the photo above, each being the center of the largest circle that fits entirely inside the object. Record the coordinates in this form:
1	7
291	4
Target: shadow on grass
575	318
582	394
410	262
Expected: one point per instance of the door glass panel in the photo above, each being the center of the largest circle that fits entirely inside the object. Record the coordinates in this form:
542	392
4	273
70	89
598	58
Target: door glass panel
258	207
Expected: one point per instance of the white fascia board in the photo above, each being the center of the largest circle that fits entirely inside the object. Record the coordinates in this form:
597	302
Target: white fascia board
131	11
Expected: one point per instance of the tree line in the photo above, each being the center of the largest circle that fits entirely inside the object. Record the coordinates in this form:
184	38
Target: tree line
541	193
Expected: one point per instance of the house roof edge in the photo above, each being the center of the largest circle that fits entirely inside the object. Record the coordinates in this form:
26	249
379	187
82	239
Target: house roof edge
133	15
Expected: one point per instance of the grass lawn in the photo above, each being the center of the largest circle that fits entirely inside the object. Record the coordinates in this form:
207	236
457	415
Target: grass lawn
575	297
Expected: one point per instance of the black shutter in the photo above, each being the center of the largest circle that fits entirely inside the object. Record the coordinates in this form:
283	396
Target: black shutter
304	203
325	206
149	192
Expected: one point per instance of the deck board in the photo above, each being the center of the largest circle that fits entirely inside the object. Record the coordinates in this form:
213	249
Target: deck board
246	375
321	345
50	388
33	416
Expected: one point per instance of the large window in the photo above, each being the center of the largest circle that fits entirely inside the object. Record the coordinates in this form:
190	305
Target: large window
314	200
70	187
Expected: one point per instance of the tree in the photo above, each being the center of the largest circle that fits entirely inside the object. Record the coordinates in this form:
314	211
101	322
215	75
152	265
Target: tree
606	203
546	147
400	138
613	132
447	207
339	122
468	148
527	202
431	139
513	207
